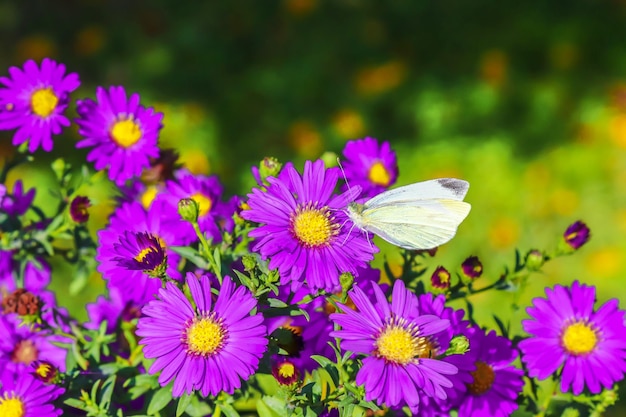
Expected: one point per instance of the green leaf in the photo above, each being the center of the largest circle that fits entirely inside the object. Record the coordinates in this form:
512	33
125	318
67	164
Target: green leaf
107	392
228	410
271	407
183	403
217	257
322	360
160	400
192	255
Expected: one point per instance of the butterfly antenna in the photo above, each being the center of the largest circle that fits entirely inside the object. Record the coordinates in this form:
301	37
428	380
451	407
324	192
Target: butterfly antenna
343	173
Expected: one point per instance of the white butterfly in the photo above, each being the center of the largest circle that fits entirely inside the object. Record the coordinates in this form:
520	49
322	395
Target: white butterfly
417	216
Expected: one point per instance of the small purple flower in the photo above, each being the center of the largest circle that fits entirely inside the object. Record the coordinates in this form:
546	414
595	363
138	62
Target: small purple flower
122	133
577	234
210	346
132	217
396	340
589	346
78	209
370	166
20	346
141	251
117	307
285	370
26	396
17	202
472	268
33	101
496	383
303	227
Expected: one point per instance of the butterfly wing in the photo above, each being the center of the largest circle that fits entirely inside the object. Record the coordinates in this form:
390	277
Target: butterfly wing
442	188
415	224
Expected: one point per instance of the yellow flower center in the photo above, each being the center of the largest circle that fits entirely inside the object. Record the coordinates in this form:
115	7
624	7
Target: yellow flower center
126	132
286	370
483	379
399	343
379	175
313	227
579	338
25	352
11	406
44	370
148	196
43	102
204	203
205	336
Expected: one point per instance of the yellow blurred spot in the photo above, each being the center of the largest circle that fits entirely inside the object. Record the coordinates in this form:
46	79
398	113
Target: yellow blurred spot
381	78
195	161
89	40
148	196
493	67
503	233
605	262
348	124
300	7
396	270
617	130
305	139
35	47
563	201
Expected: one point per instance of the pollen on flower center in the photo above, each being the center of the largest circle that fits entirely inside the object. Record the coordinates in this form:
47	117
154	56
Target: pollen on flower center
11	406
379	175
205	336
25	352
287	370
125	132
579	338
483	378
313	227
204	203
43	102
399	343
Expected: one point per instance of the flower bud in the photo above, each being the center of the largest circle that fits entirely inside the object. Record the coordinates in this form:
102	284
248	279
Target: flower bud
440	279
458	345
472	268
78	209
188	209
46	372
249	262
535	260
269	167
576	235
285	372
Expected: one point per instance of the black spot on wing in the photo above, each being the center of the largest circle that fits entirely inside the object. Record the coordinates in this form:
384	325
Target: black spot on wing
459	187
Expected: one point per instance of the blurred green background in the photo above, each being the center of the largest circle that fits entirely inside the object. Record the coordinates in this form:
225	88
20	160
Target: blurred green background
526	100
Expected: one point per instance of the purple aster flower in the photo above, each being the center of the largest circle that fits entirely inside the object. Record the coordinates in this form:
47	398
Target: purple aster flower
37	273
122	133
117	307
141	251
397	340
20	346
472	268
589	346
577	234
369	165
26	396
33	101
285	370
206	191
304	230
496	383
132	217
210	347
17	202
78	209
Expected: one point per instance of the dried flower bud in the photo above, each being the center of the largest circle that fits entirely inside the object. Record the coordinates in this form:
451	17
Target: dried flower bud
161	168
22	302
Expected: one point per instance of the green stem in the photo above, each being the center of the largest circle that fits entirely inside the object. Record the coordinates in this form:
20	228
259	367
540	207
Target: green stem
206	249
546	403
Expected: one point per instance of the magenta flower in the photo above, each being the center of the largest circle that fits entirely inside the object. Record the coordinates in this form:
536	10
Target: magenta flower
33	101
132	218
26	396
396	340
577	234
17	202
303	230
370	166
588	346
122	133
496	383
210	346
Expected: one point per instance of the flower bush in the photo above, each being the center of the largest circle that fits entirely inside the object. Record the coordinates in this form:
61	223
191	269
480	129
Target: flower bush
266	303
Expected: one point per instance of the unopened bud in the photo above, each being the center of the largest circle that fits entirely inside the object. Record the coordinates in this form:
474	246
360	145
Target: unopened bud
188	209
